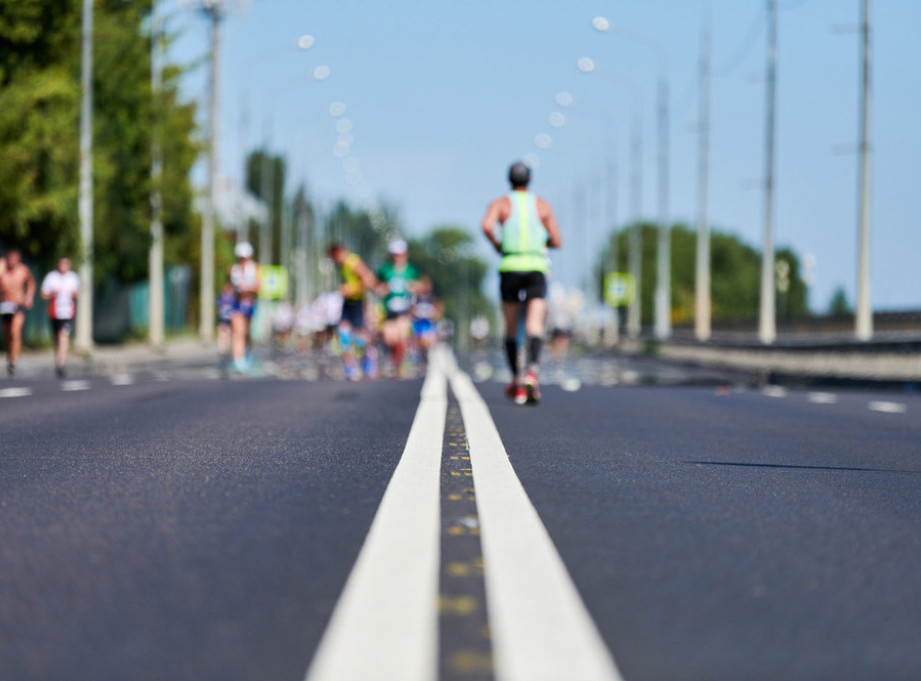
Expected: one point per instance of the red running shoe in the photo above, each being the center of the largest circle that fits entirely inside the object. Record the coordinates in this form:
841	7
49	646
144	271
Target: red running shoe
511	389
521	395
532	388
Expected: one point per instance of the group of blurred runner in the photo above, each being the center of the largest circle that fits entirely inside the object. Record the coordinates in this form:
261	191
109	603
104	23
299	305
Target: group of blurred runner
394	308
60	287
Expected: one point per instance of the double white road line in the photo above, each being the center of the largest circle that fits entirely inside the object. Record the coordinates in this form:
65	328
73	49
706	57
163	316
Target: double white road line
385	625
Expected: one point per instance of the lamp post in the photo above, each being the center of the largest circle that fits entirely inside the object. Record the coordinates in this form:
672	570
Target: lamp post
214	10
864	317
155	263
767	325
663	324
84	339
635	244
702	290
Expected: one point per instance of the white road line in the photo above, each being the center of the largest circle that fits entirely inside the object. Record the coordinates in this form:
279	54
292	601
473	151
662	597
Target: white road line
73	386
541	629
888	407
774	391
385	624
15	392
122	379
823	398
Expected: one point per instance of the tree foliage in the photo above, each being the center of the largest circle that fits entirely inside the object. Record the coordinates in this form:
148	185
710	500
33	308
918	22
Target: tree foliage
735	275
40	92
447	256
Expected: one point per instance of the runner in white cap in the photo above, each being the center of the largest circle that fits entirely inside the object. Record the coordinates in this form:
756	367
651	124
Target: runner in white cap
244	276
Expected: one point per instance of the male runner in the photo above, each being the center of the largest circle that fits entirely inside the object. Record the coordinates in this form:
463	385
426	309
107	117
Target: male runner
357	278
528	229
17	291
62	287
399	279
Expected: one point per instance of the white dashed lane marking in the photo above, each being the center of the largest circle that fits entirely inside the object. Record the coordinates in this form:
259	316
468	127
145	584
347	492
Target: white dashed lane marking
823	398
74	386
122	379
888	407
15	392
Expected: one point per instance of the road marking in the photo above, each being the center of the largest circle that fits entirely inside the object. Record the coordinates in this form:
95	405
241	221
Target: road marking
122	379
385	624
888	407
15	392
774	391
823	398
73	386
541	629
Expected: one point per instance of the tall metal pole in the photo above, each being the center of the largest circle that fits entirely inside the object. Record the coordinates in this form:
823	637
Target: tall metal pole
635	254
702	304
611	221
767	327
267	189
302	293
663	316
84	339
864	319
155	323
214	11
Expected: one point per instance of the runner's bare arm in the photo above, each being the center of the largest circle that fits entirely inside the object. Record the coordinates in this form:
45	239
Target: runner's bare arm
497	213
545	212
368	280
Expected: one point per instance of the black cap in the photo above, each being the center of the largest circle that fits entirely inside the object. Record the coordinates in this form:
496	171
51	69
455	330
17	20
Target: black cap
519	174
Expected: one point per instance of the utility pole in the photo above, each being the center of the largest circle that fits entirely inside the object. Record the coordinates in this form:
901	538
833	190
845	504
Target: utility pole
702	307
267	189
663	315
155	323
214	10
864	318
611	219
635	246
303	240
84	340
767	327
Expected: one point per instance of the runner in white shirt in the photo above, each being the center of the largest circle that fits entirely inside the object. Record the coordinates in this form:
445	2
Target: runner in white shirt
61	287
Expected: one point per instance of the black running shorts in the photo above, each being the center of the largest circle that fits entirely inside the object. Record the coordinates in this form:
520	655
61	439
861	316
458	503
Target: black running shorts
520	287
58	325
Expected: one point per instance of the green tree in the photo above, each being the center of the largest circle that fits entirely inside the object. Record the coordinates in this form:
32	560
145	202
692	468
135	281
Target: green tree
40	66
447	256
266	174
735	275
839	306
366	232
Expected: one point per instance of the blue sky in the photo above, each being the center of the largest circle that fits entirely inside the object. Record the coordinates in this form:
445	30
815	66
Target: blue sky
441	95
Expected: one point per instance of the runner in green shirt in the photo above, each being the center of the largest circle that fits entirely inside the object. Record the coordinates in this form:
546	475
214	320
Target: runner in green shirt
529	228
399	279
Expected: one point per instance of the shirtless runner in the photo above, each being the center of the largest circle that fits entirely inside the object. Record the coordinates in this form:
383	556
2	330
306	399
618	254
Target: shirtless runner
17	291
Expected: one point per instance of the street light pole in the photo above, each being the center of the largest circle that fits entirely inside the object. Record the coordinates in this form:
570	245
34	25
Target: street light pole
663	322
663	315
155	323
702	307
84	339
767	327
214	10
635	238
864	317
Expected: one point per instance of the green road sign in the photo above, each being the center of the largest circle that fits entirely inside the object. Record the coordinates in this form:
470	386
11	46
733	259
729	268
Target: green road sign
274	282
619	289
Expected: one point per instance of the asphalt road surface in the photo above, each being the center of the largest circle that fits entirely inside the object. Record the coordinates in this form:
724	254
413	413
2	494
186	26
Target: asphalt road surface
160	528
